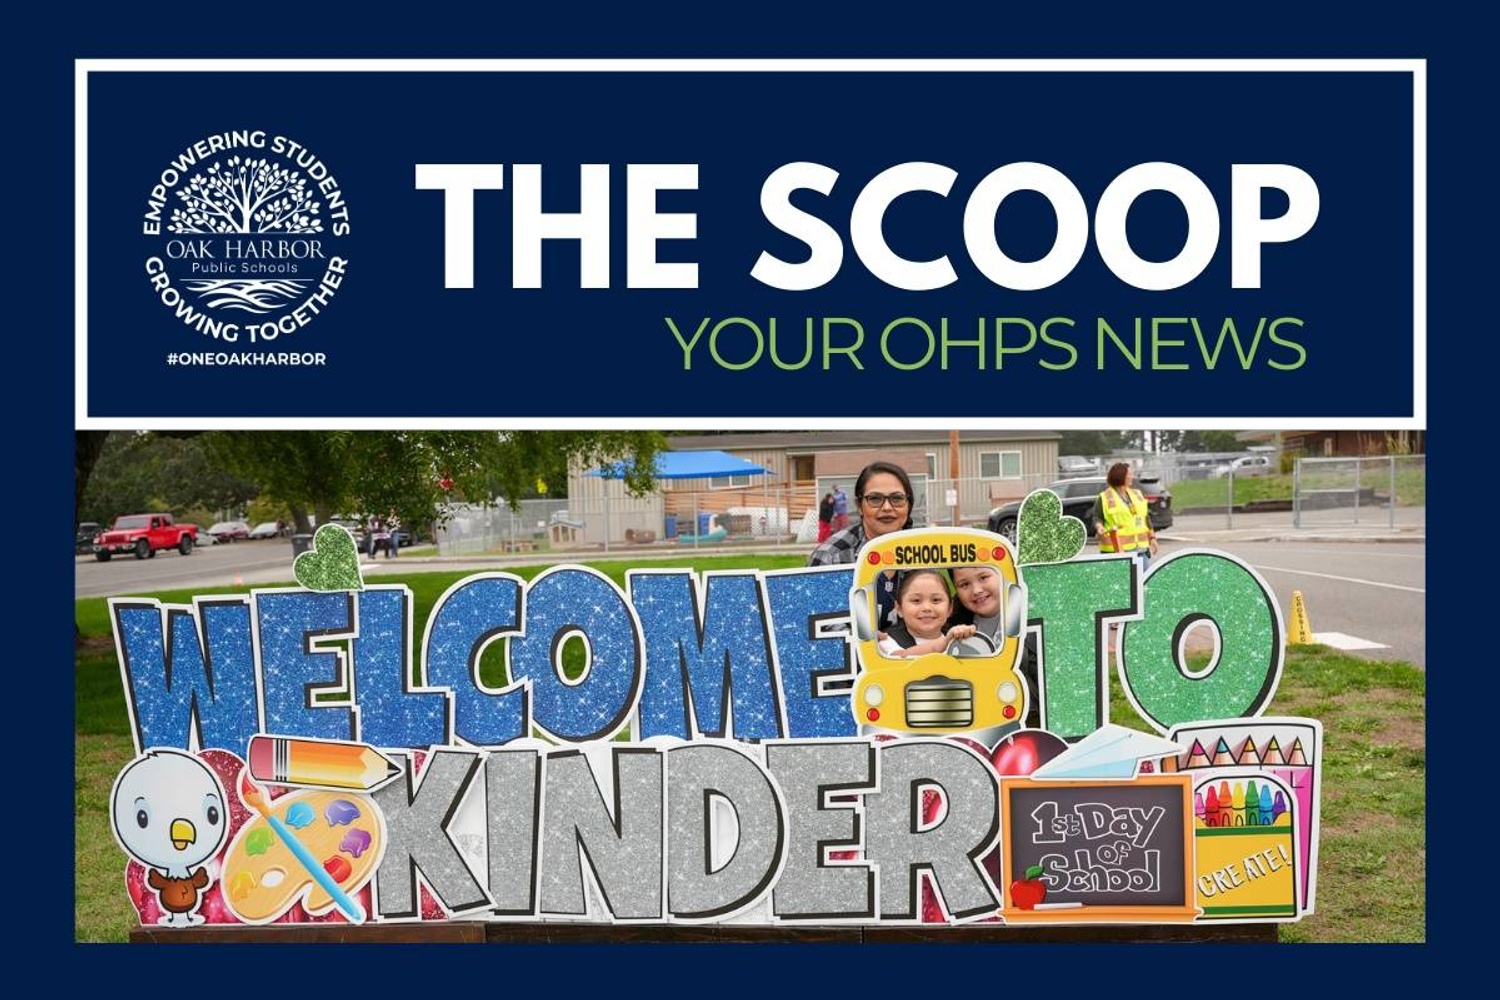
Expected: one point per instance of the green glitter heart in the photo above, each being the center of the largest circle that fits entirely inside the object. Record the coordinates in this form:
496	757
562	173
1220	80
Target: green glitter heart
332	563
1044	534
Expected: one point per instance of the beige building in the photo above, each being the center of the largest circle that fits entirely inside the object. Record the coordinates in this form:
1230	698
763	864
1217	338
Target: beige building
993	466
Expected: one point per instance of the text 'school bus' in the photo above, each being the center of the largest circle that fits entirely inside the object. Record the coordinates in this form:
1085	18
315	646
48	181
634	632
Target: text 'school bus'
973	685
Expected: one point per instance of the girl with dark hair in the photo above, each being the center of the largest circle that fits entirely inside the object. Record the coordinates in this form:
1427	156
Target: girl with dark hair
924	602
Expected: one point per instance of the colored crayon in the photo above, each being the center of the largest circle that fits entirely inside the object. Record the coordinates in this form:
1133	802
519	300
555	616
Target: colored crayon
1238	801
1222	756
1198	807
1267	814
1198	757
330	764
1296	757
1211	808
1273	754
1226	805
1248	756
1278	807
1252	804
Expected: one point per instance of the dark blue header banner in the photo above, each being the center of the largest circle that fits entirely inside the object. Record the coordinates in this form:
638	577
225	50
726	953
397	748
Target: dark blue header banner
768	242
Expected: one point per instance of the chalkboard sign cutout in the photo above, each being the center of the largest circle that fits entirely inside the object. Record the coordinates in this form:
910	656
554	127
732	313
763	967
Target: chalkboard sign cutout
1152	819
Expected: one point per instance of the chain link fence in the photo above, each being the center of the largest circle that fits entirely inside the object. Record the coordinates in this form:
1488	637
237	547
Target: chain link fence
1387	490
1382	490
773	514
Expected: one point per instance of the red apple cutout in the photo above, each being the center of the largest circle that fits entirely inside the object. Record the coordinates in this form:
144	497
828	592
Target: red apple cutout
1027	892
1024	751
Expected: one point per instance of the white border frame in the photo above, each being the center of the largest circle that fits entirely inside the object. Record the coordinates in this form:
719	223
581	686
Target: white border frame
83	420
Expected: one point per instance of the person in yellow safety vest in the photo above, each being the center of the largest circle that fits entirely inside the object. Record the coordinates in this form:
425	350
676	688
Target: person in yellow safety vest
1122	518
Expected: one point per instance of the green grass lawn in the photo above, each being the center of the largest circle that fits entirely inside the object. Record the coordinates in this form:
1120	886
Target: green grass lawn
1411	487
1372	870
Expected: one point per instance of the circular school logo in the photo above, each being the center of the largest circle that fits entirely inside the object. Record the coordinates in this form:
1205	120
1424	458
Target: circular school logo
247	235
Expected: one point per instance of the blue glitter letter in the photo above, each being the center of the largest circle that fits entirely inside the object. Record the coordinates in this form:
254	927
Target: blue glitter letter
391	714
803	602
468	617
570	601
172	687
702	650
291	675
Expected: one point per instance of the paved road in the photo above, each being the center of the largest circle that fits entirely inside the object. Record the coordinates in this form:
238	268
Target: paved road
210	566
1371	590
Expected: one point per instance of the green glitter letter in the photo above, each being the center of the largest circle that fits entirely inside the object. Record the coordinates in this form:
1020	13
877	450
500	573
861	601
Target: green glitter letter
1071	601
1181	591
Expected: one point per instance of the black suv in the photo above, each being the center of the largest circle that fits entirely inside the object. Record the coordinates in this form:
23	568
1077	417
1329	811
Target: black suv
1078	496
83	538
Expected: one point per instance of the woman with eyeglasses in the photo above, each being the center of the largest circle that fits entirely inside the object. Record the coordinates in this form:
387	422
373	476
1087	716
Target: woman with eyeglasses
883	497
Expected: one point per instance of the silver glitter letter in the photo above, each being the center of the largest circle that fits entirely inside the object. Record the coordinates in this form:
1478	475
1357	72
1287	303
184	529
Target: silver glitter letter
512	794
624	852
697	775
809	888
416	824
950	849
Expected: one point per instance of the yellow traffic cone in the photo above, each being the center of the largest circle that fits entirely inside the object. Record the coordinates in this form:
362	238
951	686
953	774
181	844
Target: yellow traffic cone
1300	632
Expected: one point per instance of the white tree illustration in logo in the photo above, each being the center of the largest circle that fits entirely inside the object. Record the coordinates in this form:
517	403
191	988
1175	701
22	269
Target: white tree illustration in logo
247	195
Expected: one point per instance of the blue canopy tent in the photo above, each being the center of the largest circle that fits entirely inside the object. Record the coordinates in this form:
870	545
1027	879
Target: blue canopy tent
688	465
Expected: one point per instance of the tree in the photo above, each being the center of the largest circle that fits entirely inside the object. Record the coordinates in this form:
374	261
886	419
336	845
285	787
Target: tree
413	473
131	472
246	195
1089	443
1208	441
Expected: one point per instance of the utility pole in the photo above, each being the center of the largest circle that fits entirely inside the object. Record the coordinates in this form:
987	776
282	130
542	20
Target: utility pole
953	473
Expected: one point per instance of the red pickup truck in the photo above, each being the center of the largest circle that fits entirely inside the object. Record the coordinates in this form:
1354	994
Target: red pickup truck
143	535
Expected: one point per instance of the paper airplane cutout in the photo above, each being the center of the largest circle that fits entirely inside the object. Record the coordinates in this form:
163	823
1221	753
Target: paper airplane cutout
1108	752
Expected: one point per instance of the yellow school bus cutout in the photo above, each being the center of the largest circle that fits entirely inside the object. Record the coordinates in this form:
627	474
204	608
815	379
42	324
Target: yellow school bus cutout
972	686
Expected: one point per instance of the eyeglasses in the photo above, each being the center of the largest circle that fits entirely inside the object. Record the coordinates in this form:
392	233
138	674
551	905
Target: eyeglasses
878	500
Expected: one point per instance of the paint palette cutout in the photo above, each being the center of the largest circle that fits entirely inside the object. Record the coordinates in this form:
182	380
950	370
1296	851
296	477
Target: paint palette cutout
343	831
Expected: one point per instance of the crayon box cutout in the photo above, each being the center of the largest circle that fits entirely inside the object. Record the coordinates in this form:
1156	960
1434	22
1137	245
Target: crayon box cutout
1290	748
1247	851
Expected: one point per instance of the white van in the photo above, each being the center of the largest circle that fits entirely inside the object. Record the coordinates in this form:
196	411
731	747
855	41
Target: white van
1248	465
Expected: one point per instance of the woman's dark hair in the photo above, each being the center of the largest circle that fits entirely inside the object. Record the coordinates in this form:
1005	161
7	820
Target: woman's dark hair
1117	474
890	469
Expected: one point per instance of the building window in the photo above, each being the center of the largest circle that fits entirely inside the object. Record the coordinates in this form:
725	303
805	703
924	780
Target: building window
1000	465
719	482
931	465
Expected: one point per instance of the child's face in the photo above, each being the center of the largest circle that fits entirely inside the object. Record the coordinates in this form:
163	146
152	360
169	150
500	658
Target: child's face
979	590
925	606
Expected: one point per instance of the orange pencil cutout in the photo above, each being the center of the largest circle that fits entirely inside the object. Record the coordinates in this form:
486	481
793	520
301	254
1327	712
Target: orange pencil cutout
282	761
